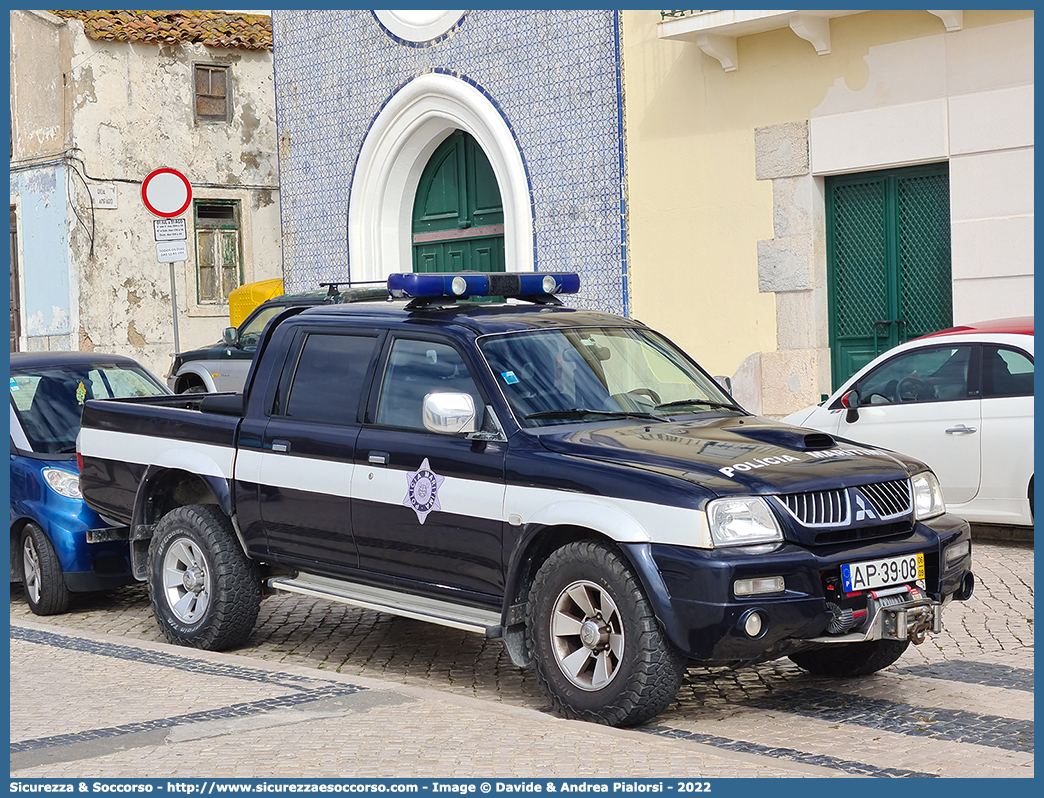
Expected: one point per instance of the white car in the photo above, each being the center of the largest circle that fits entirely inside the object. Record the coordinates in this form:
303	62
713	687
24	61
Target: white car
960	400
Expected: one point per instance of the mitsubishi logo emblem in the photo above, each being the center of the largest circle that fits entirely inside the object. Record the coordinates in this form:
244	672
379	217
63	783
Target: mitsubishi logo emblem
863	510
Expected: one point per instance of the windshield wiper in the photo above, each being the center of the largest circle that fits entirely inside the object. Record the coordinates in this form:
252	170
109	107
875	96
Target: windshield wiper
703	402
580	412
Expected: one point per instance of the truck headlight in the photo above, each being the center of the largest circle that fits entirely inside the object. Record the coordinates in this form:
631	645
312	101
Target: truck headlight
742	521
63	482
928	498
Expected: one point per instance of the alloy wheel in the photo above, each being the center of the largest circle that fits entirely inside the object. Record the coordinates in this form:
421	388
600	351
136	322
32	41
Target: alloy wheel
587	635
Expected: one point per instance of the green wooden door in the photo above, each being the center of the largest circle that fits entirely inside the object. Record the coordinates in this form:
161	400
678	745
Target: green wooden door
888	250
458	218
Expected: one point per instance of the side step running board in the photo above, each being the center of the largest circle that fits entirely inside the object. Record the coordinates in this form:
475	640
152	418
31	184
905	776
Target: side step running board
394	602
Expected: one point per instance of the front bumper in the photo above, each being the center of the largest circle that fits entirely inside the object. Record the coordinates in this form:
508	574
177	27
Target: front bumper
691	591
92	555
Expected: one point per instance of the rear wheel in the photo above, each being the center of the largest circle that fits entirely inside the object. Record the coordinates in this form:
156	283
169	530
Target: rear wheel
42	575
600	654
850	659
205	592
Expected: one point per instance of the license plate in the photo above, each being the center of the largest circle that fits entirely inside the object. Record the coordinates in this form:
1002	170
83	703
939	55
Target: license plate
882	573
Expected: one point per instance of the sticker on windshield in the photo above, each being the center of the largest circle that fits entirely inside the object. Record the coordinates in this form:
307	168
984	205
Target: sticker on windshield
14	385
422	490
81	394
509	377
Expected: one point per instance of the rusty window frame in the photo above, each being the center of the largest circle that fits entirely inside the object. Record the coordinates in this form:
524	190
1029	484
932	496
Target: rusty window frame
212	86
217	229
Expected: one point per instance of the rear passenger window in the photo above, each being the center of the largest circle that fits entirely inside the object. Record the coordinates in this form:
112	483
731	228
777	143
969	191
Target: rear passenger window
330	378
1006	372
415	369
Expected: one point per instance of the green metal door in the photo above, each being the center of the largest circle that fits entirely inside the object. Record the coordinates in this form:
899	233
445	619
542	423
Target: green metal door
888	251
458	217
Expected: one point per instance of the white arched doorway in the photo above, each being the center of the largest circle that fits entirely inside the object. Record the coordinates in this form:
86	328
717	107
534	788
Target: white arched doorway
394	153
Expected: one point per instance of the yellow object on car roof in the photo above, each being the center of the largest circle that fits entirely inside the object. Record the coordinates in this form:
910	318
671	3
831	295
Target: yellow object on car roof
244	299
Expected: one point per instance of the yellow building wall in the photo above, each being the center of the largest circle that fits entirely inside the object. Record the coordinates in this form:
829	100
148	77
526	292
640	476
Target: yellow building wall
697	211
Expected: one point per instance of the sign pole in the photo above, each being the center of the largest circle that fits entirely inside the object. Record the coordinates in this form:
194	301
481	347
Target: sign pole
174	305
167	194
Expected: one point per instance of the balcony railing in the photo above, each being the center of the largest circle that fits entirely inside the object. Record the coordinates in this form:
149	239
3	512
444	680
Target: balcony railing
677	14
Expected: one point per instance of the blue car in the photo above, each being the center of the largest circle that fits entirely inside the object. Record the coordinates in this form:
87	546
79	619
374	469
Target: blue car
59	546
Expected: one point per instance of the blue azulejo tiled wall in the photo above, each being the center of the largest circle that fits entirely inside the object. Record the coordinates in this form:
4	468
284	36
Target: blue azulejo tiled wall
553	75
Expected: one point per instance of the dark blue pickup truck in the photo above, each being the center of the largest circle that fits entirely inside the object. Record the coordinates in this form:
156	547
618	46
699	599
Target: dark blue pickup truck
564	480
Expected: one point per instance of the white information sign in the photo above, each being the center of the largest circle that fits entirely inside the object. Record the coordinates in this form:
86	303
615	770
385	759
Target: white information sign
104	195
170	229
171	251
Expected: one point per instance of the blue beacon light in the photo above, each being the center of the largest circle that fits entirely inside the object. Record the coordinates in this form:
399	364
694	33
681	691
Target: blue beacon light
470	284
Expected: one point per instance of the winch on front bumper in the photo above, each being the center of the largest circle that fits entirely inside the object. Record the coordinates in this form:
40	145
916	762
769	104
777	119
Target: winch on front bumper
898	613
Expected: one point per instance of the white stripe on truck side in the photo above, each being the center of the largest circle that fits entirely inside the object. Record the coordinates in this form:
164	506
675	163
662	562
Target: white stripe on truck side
622	520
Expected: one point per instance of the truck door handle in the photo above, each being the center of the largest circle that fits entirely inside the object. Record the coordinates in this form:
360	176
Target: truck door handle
378	458
960	430
281	446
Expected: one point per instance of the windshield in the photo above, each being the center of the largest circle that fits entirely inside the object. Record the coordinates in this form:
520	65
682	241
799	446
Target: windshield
48	399
250	332
569	375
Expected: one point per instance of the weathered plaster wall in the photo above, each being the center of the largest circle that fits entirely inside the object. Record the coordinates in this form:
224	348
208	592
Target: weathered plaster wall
39	60
133	112
129	110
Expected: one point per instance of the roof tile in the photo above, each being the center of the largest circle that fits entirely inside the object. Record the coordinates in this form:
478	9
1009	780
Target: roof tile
210	28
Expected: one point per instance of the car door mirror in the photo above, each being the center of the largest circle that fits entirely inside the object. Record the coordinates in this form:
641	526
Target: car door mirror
851	401
449	413
230	336
726	383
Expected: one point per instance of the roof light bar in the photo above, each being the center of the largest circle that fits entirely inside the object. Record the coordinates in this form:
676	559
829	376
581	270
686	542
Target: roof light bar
456	285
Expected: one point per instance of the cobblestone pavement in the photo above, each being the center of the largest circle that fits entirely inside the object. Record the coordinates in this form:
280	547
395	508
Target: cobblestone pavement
323	689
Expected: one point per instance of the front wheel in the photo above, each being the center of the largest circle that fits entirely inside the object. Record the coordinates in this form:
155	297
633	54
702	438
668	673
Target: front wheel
600	654
850	659
45	590
205	592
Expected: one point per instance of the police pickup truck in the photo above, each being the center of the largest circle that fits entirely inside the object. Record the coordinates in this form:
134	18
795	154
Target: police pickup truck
564	480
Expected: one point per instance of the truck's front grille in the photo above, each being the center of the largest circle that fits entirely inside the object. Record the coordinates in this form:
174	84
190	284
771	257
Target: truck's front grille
890	499
819	508
840	507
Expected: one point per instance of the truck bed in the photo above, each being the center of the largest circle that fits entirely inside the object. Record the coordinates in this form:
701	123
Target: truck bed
121	439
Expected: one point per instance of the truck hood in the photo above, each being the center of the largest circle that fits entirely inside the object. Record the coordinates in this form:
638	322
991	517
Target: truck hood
735	455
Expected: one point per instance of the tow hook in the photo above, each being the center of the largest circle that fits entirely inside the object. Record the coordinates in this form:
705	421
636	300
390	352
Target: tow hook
911	621
897	617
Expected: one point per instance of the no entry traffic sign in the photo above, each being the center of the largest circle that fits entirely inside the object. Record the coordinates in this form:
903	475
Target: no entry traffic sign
166	192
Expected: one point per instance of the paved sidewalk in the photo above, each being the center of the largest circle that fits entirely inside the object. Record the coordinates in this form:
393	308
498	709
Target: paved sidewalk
323	689
119	708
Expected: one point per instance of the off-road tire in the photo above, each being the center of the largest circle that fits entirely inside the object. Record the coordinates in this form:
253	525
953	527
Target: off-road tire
43	578
649	669
204	534
850	659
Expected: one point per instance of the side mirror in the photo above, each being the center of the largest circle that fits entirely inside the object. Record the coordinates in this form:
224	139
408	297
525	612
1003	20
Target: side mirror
726	383
230	336
449	413
851	401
